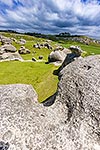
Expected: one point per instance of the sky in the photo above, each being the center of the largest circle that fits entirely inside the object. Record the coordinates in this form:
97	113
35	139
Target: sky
51	16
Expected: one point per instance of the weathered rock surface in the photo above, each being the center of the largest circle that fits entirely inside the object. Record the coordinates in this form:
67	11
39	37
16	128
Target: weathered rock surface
7	48
56	56
22	41
10	56
25	124
71	56
4	40
24	50
79	90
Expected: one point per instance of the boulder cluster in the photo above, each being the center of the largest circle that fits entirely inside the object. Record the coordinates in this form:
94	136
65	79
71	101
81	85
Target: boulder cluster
24	50
42	45
8	51
64	55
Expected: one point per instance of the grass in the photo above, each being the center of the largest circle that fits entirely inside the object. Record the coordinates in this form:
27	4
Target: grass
90	49
40	75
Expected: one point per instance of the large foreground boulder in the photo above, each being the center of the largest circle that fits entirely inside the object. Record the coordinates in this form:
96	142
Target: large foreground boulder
27	125
79	92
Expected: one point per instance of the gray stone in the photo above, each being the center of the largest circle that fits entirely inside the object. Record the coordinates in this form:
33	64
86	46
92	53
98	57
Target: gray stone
10	56
34	59
76	50
55	56
8	48
79	92
22	41
23	50
40	57
5	40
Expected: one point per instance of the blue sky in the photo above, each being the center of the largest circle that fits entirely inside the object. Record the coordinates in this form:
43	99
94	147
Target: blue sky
51	16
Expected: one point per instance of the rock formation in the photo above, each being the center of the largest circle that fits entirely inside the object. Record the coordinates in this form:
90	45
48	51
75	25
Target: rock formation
24	50
4	40
71	123
7	48
75	53
10	56
8	52
56	56
42	45
22	41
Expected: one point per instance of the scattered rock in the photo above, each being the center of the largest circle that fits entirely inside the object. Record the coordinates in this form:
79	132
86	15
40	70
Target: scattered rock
47	45
22	41
42	45
34	59
76	50
40	57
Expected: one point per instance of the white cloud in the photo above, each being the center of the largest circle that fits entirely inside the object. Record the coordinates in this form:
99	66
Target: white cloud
7	2
51	16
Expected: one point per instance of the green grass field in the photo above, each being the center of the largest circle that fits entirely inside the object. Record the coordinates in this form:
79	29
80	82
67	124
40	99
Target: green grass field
38	74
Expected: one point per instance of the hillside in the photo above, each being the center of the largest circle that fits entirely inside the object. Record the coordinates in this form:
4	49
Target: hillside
39	74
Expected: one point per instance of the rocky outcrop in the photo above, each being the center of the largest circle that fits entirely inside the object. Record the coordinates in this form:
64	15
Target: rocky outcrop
65	56
25	124
22	41
79	92
56	56
7	48
10	56
74	53
4	40
71	123
8	52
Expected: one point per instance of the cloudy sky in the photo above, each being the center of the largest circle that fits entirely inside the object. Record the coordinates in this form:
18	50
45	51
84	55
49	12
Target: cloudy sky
51	16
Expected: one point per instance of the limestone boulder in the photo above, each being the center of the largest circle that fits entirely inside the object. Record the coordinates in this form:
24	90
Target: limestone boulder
79	92
73	53
22	41
8	48
56	56
5	40
23	50
24	123
76	50
10	56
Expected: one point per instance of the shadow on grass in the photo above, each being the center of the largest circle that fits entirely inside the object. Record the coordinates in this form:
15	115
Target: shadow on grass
50	100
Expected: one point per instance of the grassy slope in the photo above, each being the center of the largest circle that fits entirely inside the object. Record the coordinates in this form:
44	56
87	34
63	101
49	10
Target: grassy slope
90	49
40	75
